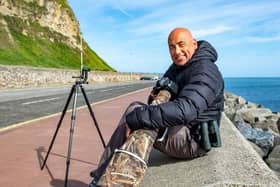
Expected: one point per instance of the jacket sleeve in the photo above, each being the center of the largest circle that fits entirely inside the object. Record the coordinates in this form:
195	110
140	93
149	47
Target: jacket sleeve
195	97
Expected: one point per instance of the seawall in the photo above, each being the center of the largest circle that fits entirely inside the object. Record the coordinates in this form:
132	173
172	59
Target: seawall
22	76
235	164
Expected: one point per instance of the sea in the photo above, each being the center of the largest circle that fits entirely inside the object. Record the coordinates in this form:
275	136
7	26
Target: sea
264	91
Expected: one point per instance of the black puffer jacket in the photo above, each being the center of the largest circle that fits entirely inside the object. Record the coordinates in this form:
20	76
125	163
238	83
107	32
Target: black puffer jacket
200	96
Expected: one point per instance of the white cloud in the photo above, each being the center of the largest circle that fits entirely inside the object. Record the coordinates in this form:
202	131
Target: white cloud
164	18
211	31
141	3
263	39
123	11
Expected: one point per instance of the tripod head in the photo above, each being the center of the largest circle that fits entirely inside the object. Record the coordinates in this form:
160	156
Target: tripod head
83	77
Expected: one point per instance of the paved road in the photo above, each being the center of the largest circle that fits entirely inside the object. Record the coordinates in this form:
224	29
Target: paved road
26	104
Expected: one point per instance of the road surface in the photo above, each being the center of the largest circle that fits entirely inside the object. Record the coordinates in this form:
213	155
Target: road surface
25	104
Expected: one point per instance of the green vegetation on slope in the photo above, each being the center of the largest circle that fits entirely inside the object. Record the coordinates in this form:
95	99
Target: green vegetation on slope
63	3
34	45
39	51
31	6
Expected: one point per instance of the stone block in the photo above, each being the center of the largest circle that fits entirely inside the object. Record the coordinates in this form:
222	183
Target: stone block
260	152
267	124
253	115
273	159
241	100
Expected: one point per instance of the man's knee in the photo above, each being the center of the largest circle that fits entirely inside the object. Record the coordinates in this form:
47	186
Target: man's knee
177	143
133	105
178	138
179	132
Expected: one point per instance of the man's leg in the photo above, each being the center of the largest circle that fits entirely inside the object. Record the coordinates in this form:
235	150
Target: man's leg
116	141
180	144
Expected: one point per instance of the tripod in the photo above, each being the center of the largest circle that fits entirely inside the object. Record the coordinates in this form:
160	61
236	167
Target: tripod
74	91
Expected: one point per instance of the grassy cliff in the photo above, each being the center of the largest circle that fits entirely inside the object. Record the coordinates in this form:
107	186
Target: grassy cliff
26	42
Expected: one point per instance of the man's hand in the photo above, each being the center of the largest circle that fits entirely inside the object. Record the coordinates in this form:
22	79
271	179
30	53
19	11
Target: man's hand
162	97
151	97
127	131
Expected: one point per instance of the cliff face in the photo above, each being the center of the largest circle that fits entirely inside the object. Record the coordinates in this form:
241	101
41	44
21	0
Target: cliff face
31	30
45	12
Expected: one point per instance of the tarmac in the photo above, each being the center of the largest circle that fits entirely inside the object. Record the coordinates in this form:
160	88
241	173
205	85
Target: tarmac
24	146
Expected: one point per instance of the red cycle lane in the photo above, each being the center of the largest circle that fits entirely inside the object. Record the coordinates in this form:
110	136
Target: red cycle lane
24	148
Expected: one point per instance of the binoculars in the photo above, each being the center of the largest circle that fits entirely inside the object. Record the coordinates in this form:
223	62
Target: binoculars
210	135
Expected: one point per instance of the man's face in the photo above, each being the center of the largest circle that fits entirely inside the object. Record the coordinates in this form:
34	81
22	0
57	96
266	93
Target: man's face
181	46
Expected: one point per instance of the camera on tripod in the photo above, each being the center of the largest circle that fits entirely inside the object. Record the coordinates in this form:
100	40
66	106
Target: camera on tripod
82	79
84	76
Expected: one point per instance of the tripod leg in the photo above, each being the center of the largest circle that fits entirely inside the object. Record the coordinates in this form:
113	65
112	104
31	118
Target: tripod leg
92	115
73	118
58	125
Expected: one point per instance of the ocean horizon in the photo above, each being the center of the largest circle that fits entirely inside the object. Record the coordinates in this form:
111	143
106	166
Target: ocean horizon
261	90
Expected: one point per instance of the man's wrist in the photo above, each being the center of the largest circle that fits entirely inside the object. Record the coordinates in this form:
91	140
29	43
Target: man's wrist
131	119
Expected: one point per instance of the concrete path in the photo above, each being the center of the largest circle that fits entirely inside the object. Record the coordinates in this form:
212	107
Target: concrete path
23	148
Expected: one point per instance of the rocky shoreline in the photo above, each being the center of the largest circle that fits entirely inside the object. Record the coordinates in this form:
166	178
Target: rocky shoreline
259	125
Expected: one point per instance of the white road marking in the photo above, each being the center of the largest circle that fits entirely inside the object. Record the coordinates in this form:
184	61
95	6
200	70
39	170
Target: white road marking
41	101
106	90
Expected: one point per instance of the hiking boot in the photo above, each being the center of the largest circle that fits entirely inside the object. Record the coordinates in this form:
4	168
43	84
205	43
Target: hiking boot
93	183
93	173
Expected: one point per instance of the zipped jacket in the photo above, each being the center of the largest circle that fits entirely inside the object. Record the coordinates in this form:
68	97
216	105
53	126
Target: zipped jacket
200	94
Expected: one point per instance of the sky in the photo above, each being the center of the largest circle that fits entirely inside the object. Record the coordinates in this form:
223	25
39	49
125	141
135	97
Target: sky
131	35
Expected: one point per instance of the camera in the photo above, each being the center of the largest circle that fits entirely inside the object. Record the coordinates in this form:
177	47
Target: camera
84	76
166	84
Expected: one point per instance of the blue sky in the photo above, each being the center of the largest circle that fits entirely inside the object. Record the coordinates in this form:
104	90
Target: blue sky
131	36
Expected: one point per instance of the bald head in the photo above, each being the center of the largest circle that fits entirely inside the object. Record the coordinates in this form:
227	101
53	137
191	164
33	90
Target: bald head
183	31
182	45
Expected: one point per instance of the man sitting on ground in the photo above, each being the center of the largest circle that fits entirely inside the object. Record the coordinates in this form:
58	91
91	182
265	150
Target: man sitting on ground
199	99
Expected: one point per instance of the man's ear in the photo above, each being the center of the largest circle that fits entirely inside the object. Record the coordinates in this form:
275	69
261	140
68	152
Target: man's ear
194	44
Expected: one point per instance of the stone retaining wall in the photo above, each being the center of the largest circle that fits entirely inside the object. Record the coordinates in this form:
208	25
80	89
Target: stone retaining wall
21	76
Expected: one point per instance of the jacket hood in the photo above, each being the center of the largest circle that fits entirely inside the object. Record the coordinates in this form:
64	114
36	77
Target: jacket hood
205	51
